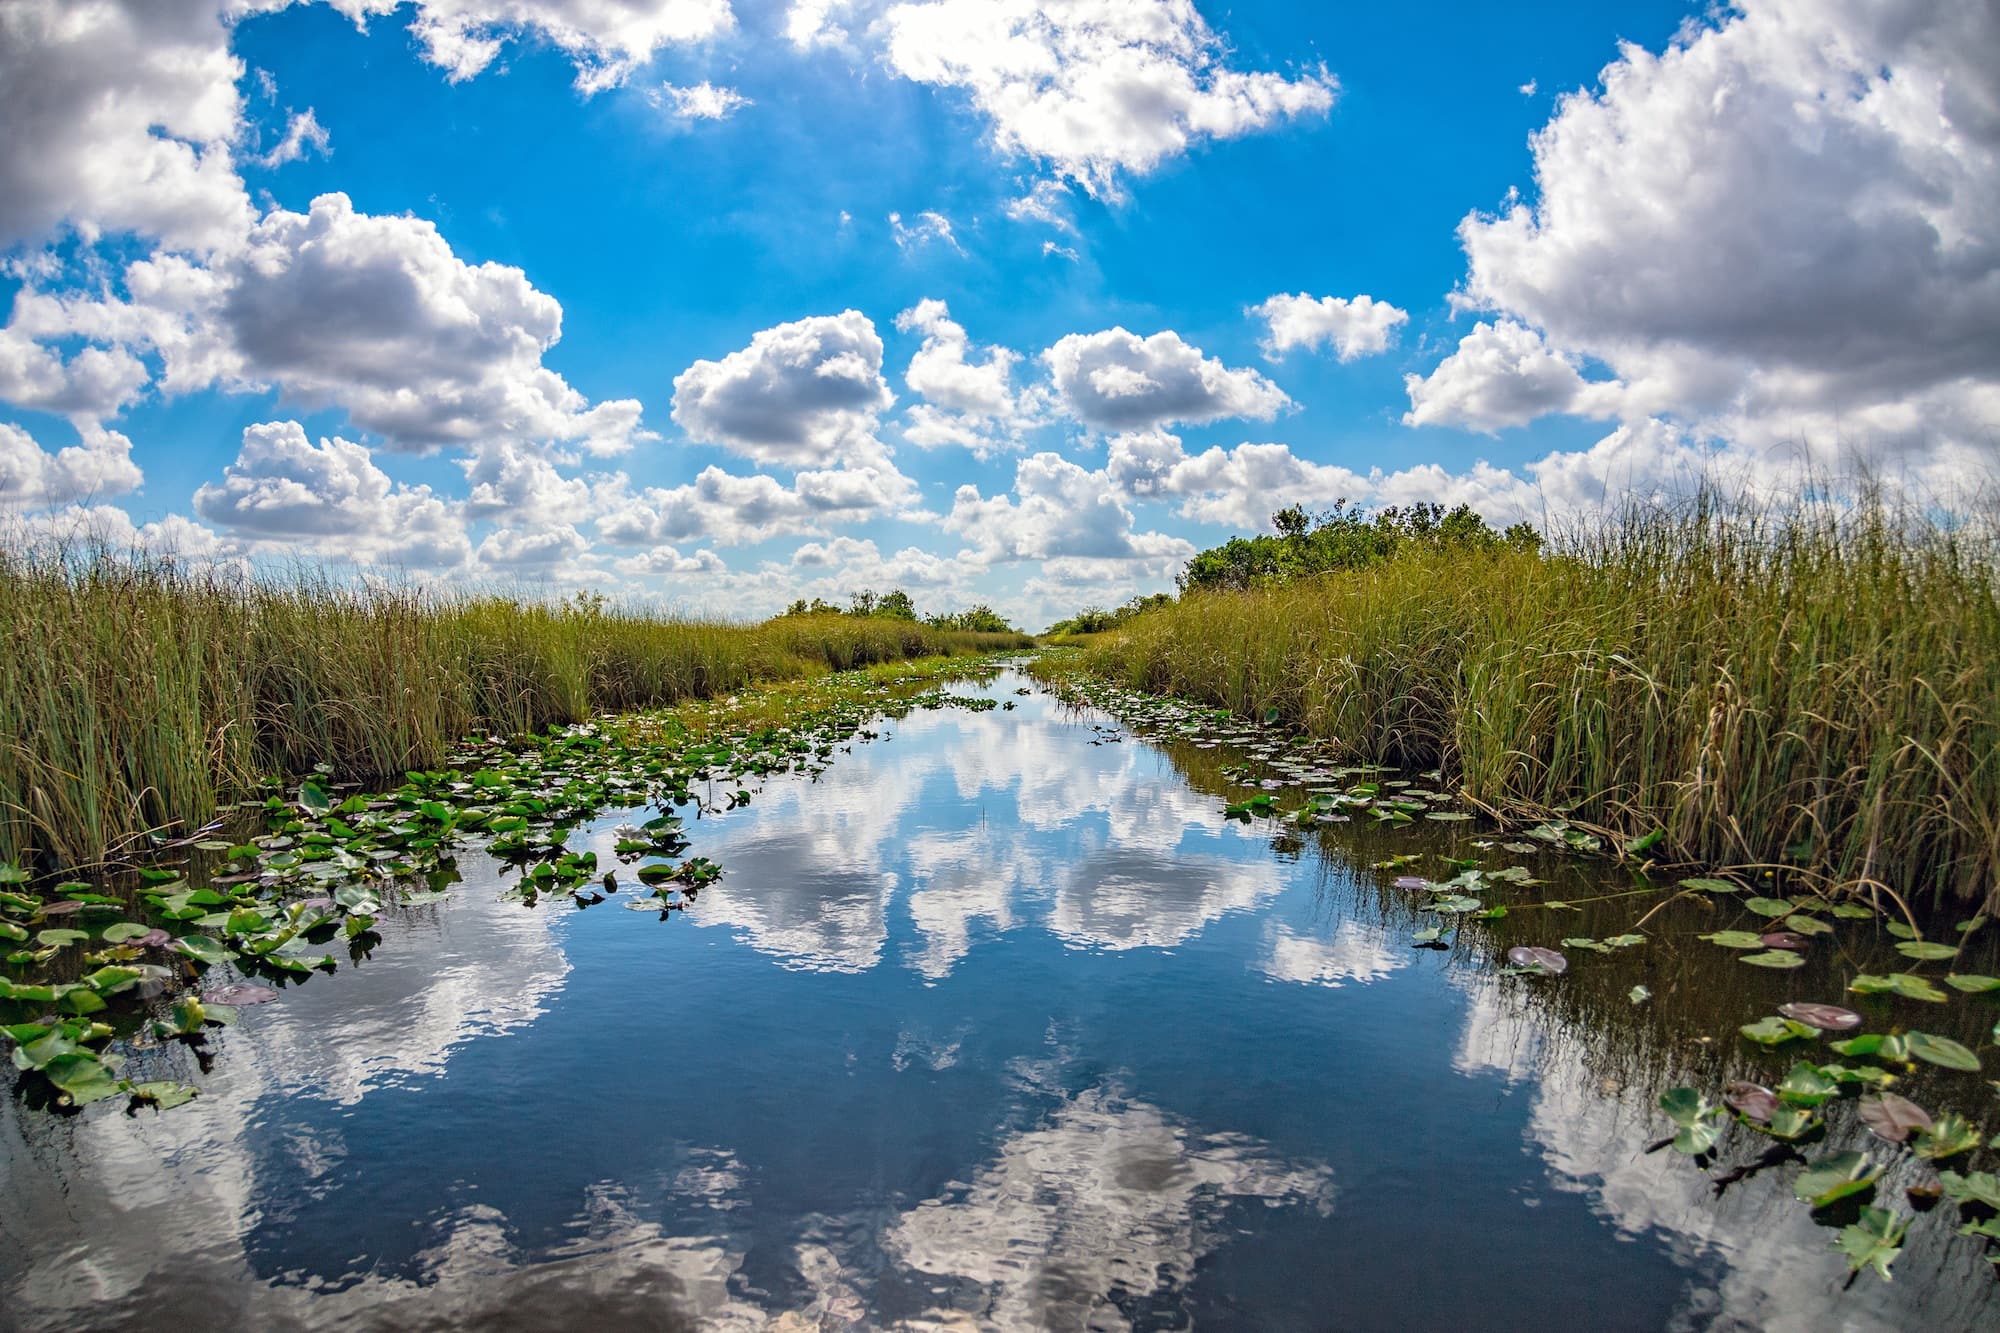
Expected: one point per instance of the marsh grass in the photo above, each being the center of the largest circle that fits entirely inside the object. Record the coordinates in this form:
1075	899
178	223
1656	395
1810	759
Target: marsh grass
1810	690
139	693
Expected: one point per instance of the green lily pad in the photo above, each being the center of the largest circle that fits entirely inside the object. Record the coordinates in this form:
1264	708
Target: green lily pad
1873	1241
1972	983
1946	1137
1906	984
1736	939
1772	907
1942	1051
1779	958
1926	950
1835	1177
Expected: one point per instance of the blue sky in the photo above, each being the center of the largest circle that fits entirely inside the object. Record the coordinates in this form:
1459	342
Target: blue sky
720	302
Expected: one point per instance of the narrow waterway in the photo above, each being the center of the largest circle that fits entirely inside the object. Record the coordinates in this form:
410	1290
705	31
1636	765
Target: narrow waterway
997	1023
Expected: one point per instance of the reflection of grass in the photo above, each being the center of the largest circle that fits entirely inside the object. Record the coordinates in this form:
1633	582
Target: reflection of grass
1769	688
136	692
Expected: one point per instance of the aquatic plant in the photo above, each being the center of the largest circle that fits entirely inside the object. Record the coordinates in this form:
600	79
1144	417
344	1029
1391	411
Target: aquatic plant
138	693
1808	689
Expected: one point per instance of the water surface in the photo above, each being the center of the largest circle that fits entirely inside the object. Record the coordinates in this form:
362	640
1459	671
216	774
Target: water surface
998	1023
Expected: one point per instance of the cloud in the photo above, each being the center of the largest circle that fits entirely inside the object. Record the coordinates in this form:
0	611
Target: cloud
929	227
1058	509
702	101
93	383
606	39
1046	202
1093	89
968	401
283	491
1789	220
1115	380
119	116
810	24
1504	375
804	394
1239	488
1358	327
99	467
733	510
375	315
303	134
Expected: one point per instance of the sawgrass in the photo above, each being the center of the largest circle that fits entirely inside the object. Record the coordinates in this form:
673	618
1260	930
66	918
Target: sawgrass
1810	689
138	693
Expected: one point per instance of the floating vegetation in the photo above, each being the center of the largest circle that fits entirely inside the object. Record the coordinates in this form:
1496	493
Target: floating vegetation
215	925
1300	780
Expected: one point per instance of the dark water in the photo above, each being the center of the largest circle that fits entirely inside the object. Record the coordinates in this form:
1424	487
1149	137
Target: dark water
992	1026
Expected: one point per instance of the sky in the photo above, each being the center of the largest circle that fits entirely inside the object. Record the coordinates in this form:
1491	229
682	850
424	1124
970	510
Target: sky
715	304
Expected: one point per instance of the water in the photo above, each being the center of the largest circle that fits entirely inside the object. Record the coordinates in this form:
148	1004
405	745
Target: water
998	1023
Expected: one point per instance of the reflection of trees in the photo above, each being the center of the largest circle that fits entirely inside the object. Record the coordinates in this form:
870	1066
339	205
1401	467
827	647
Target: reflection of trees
1108	1203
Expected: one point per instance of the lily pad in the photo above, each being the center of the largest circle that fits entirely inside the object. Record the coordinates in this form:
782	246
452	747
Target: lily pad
1780	958
1893	1118
1750	1099
1773	907
1925	950
1942	1051
1972	983
1736	939
1873	1241
241	993
1835	1177
1825	1017
1946	1137
1535	957
1906	984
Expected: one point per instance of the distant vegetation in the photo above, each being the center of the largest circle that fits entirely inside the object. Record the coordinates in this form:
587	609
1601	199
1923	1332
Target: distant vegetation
1811	690
1344	538
1096	620
896	605
138	693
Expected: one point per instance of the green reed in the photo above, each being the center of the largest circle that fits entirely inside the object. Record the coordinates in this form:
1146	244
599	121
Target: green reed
1806	688
140	693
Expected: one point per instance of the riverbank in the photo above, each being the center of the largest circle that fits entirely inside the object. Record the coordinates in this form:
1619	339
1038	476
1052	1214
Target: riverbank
144	694
1806	692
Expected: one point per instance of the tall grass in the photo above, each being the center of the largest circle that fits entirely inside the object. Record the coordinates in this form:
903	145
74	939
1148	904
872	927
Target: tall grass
1810	690
138	693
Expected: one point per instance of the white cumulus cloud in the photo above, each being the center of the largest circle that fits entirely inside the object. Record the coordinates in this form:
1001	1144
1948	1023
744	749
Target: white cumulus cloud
1504	375
700	101
1358	326
99	467
1115	380
808	393
1094	89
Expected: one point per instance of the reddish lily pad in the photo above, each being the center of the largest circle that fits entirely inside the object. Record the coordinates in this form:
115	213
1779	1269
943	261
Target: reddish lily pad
1751	1099
1825	1017
1535	956
1893	1118
1785	939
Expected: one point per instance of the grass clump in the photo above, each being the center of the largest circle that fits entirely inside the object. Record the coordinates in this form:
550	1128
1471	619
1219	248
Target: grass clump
1810	690
138	693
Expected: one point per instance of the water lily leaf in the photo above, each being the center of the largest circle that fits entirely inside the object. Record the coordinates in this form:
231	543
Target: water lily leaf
1825	1017
121	932
1806	1085
203	949
1454	904
1925	950
82	1078
1624	941
1775	1031
1711	885
1768	906
313	799
1412	882
1948	1136
1699	1122
1982	1187
1906	984
1942	1051
1972	983
1645	842
1750	1099
1534	956
1835	1177
1789	940
1773	958
1894	1118
1581	942
164	1094
1736	939
56	939
1873	1242
1638	995
1808	925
